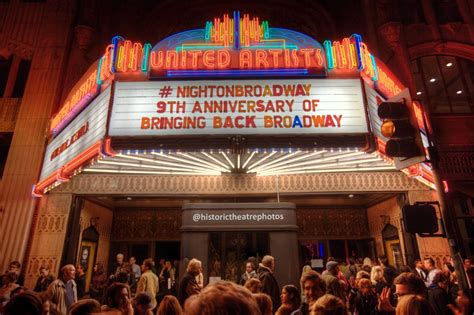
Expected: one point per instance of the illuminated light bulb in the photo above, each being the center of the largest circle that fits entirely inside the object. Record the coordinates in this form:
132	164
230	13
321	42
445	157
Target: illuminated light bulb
449	64
458	92
432	80
418	93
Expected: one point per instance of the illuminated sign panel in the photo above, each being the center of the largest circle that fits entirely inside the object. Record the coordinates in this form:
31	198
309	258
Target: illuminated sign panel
247	107
87	129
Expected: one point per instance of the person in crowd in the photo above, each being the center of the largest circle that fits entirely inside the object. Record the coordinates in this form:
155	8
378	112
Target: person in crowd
148	281
431	270
15	267
142	304
117	266
136	269
333	284
80	281
367	262
222	297
167	278
253	285
365	302
314	287
469	272
161	265
463	305
44	279
118	299
453	288
269	283
46	300
25	303
248	274
351	269
329	305
419	270
9	285
63	291
448	267
438	296
98	283
264	303
376	276
188	285
412	304
340	275
290	300
123	276
389	271
169	306
85	307
406	283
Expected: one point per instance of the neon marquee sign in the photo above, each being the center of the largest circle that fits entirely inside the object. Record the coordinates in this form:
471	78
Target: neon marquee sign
237	46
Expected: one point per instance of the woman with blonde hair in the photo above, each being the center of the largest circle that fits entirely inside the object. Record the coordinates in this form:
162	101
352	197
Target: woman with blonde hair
376	276
329	305
413	305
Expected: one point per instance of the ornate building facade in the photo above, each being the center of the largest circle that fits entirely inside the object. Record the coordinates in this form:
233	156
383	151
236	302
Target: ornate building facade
46	47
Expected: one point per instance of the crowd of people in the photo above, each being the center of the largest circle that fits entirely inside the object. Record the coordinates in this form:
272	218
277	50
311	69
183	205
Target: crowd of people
356	287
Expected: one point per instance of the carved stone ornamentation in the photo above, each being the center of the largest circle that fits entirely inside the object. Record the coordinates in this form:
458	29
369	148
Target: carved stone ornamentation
84	37
390	32
240	184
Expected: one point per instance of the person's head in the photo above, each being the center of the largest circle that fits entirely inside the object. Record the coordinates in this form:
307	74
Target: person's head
362	275
329	305
46	300
147	264
14	266
332	267
467	263
290	295
222	297
117	295
169	305
418	264
44	271
365	286
194	267
264	303
168	264
119	258
441	280
405	268
429	263
412	304
383	261
79	270
376	275
123	276
142	302
448	267
85	307
99	268
269	262
253	285
248	267
313	286
132	260
25	303
409	283
68	272
367	262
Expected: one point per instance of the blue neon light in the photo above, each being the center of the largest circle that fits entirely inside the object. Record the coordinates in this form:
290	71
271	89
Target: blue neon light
328	49
115	42
99	67
374	64
358	40
146	53
236	29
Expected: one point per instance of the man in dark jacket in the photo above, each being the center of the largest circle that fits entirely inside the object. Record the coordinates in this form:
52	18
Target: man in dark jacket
438	296
269	284
188	285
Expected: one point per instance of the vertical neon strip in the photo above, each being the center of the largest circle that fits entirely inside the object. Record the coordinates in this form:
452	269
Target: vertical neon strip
266	30
358	40
374	64
236	29
207	33
328	48
146	54
115	42
99	67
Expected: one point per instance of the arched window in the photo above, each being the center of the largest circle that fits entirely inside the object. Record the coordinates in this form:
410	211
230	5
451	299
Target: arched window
445	83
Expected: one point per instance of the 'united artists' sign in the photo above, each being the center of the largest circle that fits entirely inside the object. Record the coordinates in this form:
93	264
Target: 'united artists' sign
254	107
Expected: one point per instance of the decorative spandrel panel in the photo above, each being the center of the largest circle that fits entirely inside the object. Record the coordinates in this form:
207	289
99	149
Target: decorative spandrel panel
332	224
129	225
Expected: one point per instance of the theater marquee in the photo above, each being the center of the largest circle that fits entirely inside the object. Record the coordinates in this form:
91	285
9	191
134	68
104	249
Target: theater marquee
263	107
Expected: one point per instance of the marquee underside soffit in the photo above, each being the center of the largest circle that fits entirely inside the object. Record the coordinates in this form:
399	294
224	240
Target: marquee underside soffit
260	163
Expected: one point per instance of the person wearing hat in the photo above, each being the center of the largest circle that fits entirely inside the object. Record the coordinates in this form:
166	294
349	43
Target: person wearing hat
333	285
